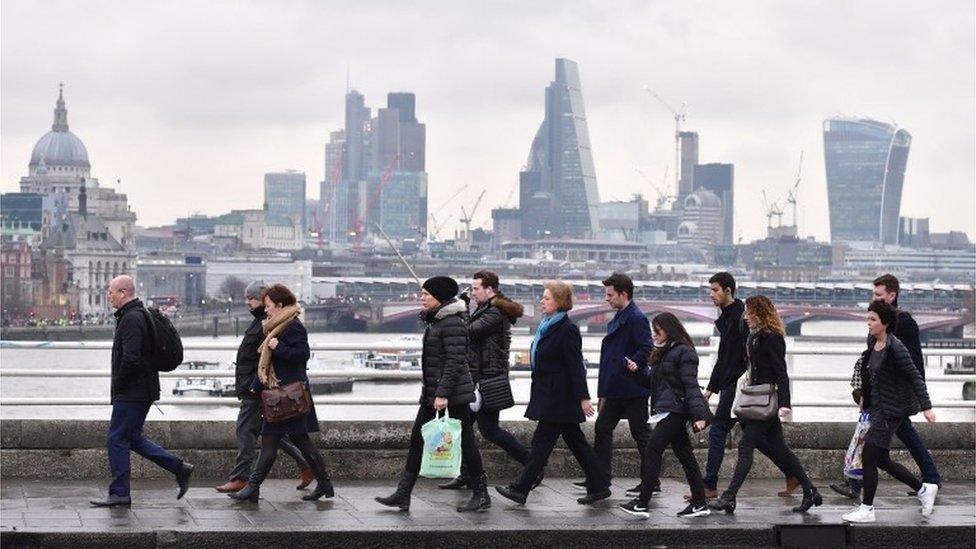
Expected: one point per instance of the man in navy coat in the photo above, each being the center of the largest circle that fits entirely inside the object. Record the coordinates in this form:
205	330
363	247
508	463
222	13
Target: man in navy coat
620	396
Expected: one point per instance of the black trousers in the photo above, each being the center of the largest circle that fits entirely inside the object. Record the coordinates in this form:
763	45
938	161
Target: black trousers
470	455
248	429
671	430
876	455
634	410
753	433
544	440
269	452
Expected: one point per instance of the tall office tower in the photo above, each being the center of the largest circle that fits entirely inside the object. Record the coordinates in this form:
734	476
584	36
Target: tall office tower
413	134
284	194
865	162
354	161
332	205
689	158
561	156
720	179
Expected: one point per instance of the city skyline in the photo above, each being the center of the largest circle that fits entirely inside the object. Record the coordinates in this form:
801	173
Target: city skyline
139	127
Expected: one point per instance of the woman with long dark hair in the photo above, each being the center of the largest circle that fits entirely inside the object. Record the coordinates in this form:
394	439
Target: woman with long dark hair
284	356
892	391
766	357
672	377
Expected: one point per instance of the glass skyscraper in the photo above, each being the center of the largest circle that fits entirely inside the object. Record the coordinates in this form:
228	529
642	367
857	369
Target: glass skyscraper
561	156
865	161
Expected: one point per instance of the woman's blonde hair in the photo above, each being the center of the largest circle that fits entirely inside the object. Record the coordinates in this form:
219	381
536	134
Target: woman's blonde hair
562	294
764	315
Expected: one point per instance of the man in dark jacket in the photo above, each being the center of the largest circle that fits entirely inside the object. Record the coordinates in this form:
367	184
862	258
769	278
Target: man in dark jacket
249	415
135	386
620	395
489	342
905	329
730	364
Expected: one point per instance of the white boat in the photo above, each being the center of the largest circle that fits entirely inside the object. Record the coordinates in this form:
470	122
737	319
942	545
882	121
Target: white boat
200	386
387	360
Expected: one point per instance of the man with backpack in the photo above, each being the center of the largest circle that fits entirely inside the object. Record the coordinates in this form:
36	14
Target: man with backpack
138	353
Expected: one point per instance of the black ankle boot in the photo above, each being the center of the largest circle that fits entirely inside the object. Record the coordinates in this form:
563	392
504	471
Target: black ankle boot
323	486
250	492
479	495
400	498
811	498
457	483
725	503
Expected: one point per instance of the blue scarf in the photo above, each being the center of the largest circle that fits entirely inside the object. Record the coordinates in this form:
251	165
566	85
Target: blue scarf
547	322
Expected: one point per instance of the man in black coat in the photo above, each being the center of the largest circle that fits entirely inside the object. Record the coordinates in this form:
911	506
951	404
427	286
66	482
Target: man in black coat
249	416
135	386
887	288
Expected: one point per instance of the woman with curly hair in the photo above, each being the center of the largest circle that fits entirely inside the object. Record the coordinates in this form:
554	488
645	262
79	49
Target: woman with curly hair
766	356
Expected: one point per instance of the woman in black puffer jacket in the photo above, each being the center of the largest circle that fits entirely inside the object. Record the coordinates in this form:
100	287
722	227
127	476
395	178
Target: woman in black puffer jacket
892	391
446	385
673	380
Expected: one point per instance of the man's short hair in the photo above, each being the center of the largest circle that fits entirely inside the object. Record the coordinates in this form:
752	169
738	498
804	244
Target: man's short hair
889	281
725	280
621	283
488	279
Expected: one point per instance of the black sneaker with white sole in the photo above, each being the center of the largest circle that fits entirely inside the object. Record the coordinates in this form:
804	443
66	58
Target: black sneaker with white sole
580	486
692	511
636	507
636	490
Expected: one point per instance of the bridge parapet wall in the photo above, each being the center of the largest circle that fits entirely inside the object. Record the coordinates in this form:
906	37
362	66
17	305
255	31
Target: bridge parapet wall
75	449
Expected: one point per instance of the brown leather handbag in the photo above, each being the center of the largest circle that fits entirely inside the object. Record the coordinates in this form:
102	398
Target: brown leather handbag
286	402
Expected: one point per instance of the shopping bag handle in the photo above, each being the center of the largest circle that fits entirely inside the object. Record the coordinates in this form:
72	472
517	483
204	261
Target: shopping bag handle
447	415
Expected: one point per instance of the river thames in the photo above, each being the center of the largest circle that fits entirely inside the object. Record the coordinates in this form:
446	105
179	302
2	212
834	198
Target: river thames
13	387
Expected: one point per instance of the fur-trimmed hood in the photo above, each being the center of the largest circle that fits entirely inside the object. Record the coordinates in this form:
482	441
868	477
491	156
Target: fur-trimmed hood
511	309
453	307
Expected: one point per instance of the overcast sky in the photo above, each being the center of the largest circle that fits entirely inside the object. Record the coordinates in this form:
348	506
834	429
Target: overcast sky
189	103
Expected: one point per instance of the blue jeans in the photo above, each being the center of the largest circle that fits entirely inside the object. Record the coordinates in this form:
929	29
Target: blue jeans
125	434
907	433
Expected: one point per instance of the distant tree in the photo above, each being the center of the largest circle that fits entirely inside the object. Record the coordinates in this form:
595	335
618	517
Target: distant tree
233	288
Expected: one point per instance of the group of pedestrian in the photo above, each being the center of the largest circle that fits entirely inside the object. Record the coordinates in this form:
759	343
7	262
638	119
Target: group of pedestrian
648	375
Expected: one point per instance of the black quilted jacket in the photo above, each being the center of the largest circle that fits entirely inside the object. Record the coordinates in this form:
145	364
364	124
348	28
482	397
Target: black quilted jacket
490	335
896	390
445	355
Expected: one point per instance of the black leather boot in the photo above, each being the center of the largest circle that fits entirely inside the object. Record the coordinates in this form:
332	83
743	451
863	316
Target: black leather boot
323	486
457	483
479	495
811	497
400	498
251	492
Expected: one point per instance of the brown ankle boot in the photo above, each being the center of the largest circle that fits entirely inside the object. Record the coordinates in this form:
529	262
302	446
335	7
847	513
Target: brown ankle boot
308	475
233	485
791	485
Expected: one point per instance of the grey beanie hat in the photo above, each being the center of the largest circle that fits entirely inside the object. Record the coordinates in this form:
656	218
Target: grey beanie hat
255	290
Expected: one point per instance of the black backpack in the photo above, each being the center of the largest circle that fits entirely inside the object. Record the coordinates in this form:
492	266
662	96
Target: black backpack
167	347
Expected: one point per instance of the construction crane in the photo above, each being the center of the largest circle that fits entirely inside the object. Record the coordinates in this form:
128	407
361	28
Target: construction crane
437	226
373	199
772	210
663	197
433	220
679	117
792	195
466	218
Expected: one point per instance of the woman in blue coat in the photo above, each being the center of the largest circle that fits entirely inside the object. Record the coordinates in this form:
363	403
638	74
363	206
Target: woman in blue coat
284	358
560	400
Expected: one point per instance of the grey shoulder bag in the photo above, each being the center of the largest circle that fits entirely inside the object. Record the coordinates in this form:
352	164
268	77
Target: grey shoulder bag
755	402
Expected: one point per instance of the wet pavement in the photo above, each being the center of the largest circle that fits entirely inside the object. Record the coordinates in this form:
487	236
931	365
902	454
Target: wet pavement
42	513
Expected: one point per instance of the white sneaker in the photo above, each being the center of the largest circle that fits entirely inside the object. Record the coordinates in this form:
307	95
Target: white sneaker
862	513
927	497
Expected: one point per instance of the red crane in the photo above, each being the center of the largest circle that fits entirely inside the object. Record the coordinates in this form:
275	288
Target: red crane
373	198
